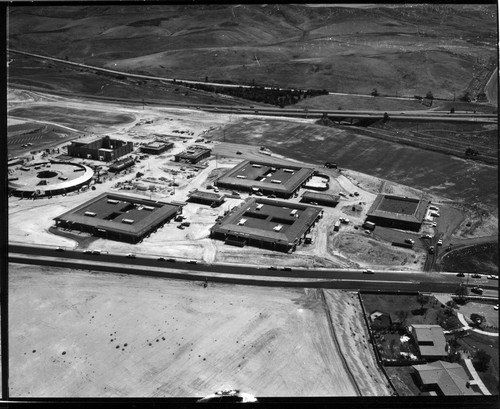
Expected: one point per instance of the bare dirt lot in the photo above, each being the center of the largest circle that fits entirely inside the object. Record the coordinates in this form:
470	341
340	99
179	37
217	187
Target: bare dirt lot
116	335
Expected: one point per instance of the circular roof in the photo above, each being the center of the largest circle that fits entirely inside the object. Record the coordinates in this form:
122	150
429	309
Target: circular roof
48	177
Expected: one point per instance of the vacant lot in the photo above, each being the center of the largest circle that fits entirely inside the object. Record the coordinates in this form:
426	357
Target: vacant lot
76	333
437	173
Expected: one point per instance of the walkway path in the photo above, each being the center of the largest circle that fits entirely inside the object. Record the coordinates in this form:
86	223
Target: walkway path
467	326
476	380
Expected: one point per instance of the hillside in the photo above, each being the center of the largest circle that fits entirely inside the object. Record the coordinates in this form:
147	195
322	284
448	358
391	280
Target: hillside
403	50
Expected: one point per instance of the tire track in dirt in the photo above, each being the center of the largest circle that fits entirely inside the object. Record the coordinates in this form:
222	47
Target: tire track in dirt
334	337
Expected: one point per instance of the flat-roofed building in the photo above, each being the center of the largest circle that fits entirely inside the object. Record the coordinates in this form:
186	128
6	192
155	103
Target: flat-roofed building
211	198
121	164
157	147
118	217
103	149
193	154
323	199
267	177
399	212
266	223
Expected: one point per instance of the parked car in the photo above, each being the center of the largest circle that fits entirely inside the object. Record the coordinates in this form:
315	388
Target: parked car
434	224
272	268
368	271
87	251
286	269
476	275
238	153
431	250
477	290
161	259
131	255
495	307
96	251
171	260
440	242
59	249
460	275
192	262
410	241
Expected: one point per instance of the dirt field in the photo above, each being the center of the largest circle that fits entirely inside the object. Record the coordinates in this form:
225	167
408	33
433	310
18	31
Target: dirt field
116	335
452	177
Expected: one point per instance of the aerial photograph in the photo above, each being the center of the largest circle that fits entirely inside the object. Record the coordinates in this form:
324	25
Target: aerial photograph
240	202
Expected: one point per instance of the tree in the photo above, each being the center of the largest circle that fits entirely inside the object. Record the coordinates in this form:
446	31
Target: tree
375	93
386	117
429	95
422	300
462	292
481	360
452	110
206	78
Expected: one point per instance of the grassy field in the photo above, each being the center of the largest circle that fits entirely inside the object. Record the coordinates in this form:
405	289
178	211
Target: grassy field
482	257
436	173
398	50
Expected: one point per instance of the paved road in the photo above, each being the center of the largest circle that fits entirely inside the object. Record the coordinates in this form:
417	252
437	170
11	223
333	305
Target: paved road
341	115
183	269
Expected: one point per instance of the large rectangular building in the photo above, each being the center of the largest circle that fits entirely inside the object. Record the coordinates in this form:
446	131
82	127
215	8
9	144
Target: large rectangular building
118	217
193	154
103	149
269	178
398	212
266	223
157	147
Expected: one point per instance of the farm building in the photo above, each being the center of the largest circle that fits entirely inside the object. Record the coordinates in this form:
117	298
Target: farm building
193	154
269	178
270	224
121	164
118	217
323	199
103	149
430	341
211	198
398	212
156	148
444	379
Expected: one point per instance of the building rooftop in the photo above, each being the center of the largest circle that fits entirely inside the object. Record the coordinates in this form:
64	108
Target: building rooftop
193	152
399	208
430	340
320	196
270	220
266	175
450	378
199	194
119	213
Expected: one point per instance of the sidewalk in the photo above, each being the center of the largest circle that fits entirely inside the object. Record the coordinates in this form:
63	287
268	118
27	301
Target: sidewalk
467	326
476	380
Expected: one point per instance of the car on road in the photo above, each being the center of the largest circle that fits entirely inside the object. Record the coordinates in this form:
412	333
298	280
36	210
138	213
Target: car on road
477	290
460	275
272	268
192	262
476	275
238	153
130	255
368	271
440	242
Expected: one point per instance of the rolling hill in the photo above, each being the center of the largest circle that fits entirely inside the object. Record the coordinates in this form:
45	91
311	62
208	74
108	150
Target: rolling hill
402	50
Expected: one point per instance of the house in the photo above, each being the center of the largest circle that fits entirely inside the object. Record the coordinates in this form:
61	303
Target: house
430	341
443	378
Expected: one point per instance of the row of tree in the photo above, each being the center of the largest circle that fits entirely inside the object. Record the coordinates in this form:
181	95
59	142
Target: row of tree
273	96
